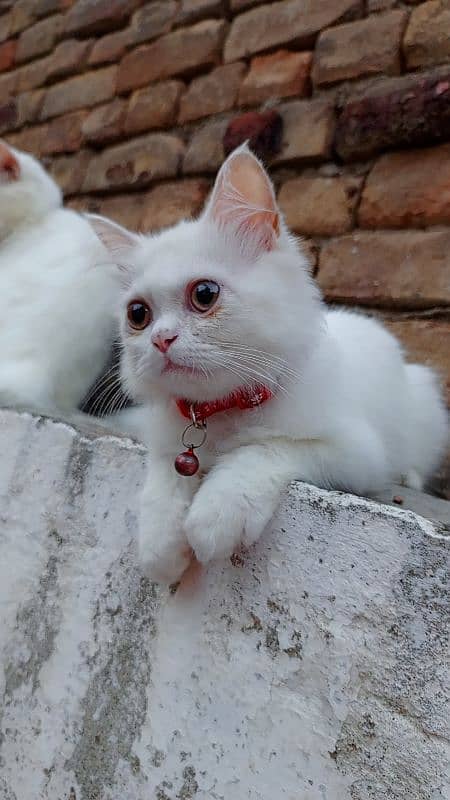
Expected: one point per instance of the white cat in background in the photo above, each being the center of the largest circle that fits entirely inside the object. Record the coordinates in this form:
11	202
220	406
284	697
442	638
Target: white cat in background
223	309
58	292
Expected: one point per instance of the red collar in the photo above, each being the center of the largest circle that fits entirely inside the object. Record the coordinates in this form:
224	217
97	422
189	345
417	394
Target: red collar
242	399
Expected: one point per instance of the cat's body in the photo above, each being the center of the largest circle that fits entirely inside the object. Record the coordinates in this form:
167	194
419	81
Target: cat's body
58	292
343	410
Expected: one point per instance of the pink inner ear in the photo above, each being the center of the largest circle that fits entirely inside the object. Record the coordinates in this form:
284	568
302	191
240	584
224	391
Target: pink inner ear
243	197
9	163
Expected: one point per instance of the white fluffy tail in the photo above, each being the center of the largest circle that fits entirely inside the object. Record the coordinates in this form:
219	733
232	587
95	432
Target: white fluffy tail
429	428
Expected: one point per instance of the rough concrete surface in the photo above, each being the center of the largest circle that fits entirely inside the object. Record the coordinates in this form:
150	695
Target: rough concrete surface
315	668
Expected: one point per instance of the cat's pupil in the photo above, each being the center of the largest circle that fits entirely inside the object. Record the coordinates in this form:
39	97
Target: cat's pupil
206	293
138	313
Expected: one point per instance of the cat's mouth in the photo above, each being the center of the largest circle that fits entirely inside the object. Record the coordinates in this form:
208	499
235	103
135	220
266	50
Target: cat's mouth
180	369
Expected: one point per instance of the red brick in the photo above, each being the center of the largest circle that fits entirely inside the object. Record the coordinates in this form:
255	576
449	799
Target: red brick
81	91
396	112
401	269
32	75
194	10
170	203
262	130
153	20
280	74
320	206
426	341
205	152
137	163
98	16
182	52
155	107
29	139
126	209
39	39
427	38
105	123
288	22
308	131
364	47
68	57
408	189
212	93
7	54
62	135
29	106
69	171
110	48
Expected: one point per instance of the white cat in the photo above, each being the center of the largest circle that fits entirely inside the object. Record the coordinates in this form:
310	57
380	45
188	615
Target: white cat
221	315
58	292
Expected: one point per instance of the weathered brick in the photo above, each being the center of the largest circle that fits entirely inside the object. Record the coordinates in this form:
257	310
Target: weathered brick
68	57
105	123
320	206
212	93
8	115
32	75
205	152
427	37
153	20
126	209
62	135
110	48
396	112
280	74
193	10
98	16
308	131
8	85
408	189
169	203
39	39
262	130
182	52
69	171
406	269
154	107
23	14
7	54
288	22
380	5
5	27
80	92
44	7
426	341
364	47
29	105
243	5
135	163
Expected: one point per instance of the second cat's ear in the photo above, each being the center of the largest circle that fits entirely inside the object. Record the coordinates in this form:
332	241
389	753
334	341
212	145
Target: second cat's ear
243	201
9	164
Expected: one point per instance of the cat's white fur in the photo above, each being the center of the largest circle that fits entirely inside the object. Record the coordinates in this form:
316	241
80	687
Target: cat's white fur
347	412
58	292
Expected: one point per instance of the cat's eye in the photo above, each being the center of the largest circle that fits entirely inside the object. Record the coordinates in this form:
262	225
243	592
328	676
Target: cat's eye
139	315
203	295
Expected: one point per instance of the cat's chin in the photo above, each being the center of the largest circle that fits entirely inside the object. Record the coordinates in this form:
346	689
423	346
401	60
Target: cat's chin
195	387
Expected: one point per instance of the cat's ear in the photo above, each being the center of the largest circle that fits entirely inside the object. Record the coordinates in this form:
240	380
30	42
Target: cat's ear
9	164
118	241
243	201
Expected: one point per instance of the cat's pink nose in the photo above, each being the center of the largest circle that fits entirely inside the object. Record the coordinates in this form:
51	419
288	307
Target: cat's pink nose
162	343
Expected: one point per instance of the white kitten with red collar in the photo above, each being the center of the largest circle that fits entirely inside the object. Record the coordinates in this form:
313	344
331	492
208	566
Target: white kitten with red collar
222	321
58	292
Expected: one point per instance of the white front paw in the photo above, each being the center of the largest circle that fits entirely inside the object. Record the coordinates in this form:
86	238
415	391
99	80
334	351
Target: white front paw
164	553
218	522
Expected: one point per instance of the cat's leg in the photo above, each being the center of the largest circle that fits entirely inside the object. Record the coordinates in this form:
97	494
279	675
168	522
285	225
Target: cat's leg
241	493
164	550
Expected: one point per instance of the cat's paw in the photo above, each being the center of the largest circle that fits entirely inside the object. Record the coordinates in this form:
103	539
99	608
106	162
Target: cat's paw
163	560
217	523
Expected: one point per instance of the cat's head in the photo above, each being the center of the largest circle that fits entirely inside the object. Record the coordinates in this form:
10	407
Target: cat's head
27	193
218	303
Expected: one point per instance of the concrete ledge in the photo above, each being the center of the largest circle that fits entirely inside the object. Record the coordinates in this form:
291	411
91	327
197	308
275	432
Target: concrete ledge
313	670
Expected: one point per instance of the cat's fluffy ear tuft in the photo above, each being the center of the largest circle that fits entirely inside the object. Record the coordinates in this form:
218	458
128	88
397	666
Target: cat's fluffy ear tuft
243	200
9	164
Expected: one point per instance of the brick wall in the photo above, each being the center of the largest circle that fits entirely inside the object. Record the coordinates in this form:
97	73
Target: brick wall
128	102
